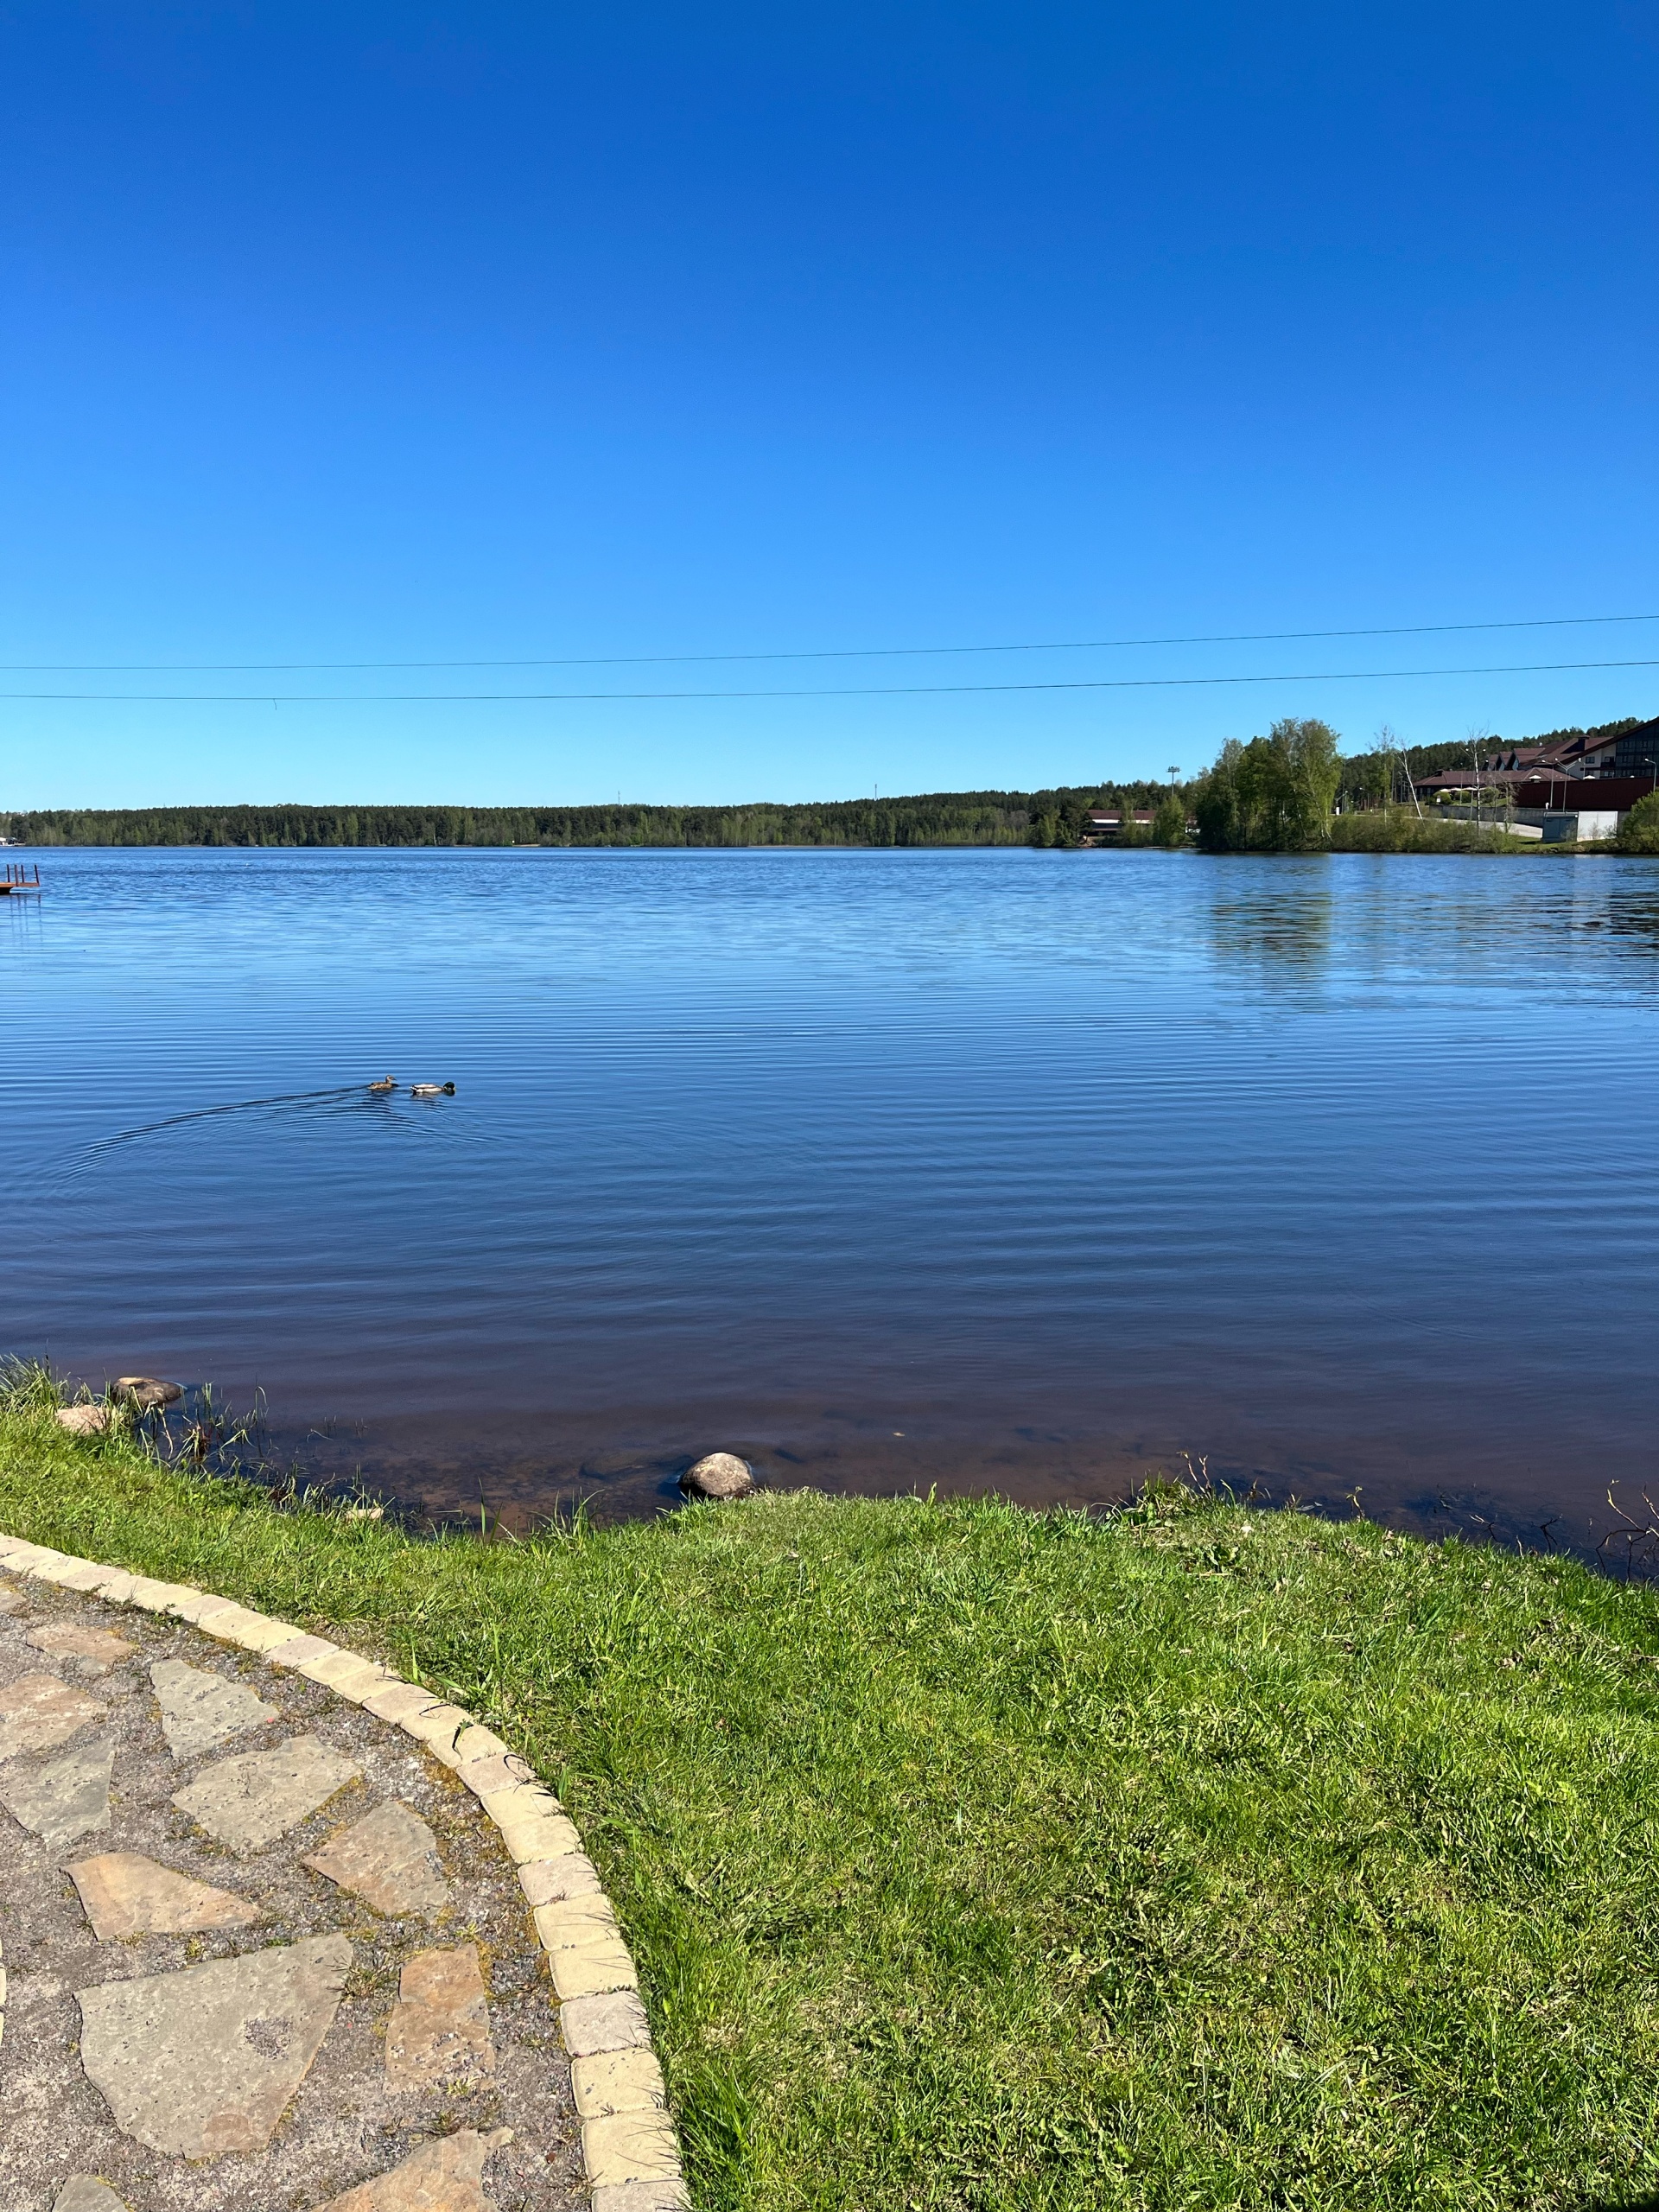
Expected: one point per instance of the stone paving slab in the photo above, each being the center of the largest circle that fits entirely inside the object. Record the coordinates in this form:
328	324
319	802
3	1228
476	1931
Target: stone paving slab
204	2059
85	2193
96	1649
199	1708
443	2177
64	1798
389	1859
41	1710
122	1893
200	2012
439	2030
250	1800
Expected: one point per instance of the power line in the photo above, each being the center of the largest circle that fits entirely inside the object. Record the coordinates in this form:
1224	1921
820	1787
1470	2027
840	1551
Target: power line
846	652
846	691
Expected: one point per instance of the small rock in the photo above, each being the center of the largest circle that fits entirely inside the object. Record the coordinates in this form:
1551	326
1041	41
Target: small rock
38	1711
12	1600
146	1393
199	1709
85	2193
95	1646
249	1801
204	2061
443	2177
84	1420
63	1799
439	2028
124	1894
719	1474
389	1859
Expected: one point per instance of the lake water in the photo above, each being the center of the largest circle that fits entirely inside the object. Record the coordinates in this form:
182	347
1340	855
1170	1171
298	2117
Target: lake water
997	1169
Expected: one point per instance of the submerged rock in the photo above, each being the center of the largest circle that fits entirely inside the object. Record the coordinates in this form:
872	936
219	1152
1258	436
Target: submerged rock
718	1474
146	1392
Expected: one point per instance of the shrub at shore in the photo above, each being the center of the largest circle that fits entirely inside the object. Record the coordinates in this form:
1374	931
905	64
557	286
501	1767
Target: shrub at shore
978	1861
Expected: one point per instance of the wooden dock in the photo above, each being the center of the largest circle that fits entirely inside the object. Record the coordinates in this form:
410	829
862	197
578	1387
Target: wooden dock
19	879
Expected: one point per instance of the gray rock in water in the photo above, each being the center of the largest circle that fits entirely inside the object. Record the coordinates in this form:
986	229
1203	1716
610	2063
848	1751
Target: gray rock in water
146	1392
718	1474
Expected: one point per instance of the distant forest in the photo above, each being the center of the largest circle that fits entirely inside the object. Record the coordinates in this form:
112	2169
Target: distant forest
1056	816
934	818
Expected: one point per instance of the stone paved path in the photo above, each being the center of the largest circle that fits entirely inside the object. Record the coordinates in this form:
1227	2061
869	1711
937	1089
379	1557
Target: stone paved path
262	1949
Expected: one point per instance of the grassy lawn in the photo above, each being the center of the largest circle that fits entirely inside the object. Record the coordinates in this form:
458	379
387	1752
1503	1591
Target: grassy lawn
973	1859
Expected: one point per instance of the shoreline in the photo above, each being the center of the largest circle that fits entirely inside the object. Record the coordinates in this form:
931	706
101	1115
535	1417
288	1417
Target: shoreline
946	1836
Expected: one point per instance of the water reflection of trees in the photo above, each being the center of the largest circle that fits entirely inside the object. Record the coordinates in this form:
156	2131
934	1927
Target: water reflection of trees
1282	929
1635	917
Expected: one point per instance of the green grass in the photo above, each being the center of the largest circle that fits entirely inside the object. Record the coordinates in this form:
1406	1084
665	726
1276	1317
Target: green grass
1197	1857
1398	831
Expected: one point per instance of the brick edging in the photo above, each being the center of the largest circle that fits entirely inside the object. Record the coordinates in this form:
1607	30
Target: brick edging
629	2149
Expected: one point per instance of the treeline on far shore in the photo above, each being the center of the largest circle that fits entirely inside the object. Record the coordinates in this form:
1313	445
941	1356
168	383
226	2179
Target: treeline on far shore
1292	790
932	818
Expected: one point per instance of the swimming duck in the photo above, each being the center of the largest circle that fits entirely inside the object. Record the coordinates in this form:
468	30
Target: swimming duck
384	1084
431	1090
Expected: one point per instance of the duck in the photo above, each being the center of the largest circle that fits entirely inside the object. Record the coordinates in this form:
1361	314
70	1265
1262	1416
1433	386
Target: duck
431	1090
384	1084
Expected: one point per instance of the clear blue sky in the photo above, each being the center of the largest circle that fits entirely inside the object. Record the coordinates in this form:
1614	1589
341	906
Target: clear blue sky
359	332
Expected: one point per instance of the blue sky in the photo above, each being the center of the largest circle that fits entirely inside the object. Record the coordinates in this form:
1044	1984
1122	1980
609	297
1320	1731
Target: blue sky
360	333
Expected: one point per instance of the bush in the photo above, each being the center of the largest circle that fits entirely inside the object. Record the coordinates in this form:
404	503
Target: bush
1639	831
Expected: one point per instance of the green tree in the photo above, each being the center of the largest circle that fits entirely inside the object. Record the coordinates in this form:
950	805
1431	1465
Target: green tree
1639	830
1274	794
1169	824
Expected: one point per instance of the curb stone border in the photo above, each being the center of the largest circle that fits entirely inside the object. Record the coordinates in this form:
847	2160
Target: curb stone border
629	2149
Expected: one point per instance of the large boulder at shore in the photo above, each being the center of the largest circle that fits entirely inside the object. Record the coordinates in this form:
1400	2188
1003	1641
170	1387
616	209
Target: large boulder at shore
718	1474
84	1420
146	1392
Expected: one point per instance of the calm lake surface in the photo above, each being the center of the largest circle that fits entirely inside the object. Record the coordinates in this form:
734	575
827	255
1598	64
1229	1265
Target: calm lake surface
993	1170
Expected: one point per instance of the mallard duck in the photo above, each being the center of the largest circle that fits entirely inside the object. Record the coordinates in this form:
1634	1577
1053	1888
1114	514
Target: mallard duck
384	1084
431	1090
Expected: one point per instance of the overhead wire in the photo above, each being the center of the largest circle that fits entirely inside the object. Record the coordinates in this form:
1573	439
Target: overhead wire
814	691
839	653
